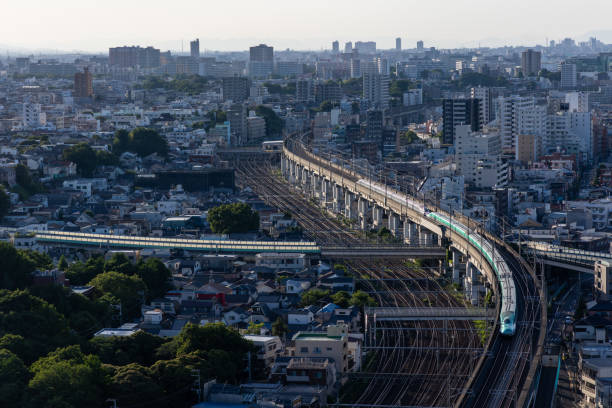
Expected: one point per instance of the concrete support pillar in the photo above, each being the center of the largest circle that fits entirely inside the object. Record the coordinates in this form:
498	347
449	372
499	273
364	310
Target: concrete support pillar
377	216
349	205
325	192
456	260
363	208
394	223
338	196
411	234
305	177
283	165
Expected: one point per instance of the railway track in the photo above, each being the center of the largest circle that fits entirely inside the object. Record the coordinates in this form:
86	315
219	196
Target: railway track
408	367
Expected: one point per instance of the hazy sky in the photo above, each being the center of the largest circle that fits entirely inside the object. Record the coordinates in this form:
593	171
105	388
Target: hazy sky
93	25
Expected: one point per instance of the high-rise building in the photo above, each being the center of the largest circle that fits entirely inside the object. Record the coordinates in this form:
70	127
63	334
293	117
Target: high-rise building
195	48
348	47
569	78
335	47
261	61
577	101
355	68
303	90
459	112
256	128
374	125
132	57
83	84
327	91
571	132
398	44
235	89
478	159
376	89
237	117
420	46
487	111
366	47
531	62
513	119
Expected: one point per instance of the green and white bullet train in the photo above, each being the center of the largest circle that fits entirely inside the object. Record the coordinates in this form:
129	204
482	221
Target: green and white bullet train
504	275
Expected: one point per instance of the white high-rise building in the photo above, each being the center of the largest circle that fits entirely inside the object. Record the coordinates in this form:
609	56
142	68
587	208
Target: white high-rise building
512	115
485	106
376	89
348	47
569	78
478	158
33	117
355	68
578	101
571	132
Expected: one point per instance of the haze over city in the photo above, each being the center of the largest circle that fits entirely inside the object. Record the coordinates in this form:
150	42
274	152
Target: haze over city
93	26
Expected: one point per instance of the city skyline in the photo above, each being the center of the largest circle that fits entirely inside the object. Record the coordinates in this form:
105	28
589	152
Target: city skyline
311	27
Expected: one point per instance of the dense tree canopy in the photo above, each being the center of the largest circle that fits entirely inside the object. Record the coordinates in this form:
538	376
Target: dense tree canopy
5	203
129	290
16	271
83	156
142	141
274	124
313	296
233	218
67	378
13	378
38	322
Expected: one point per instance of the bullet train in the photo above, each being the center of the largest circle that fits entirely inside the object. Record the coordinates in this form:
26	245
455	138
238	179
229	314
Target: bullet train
504	275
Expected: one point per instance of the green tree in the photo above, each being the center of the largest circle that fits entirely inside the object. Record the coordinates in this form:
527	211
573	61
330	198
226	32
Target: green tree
119	262
233	218
361	298
129	290
326	106
142	141
13	378
279	327
156	276
313	296
133	382
139	348
80	273
341	298
5	202
62	264
67	378
39	323
254	328
16	271
274	124
83	156
173	375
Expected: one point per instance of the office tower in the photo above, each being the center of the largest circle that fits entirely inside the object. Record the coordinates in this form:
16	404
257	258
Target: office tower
83	84
571	132
366	47
376	89
413	97
348	47
569	78
303	90
398	44
374	124
485	106
477	156
261	61
459	112
132	57
355	68
335	47
235	89
382	65
420	46
195	48
531	62
237	117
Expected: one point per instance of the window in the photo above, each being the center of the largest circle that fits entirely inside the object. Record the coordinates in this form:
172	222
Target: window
317	350
304	350
329	349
